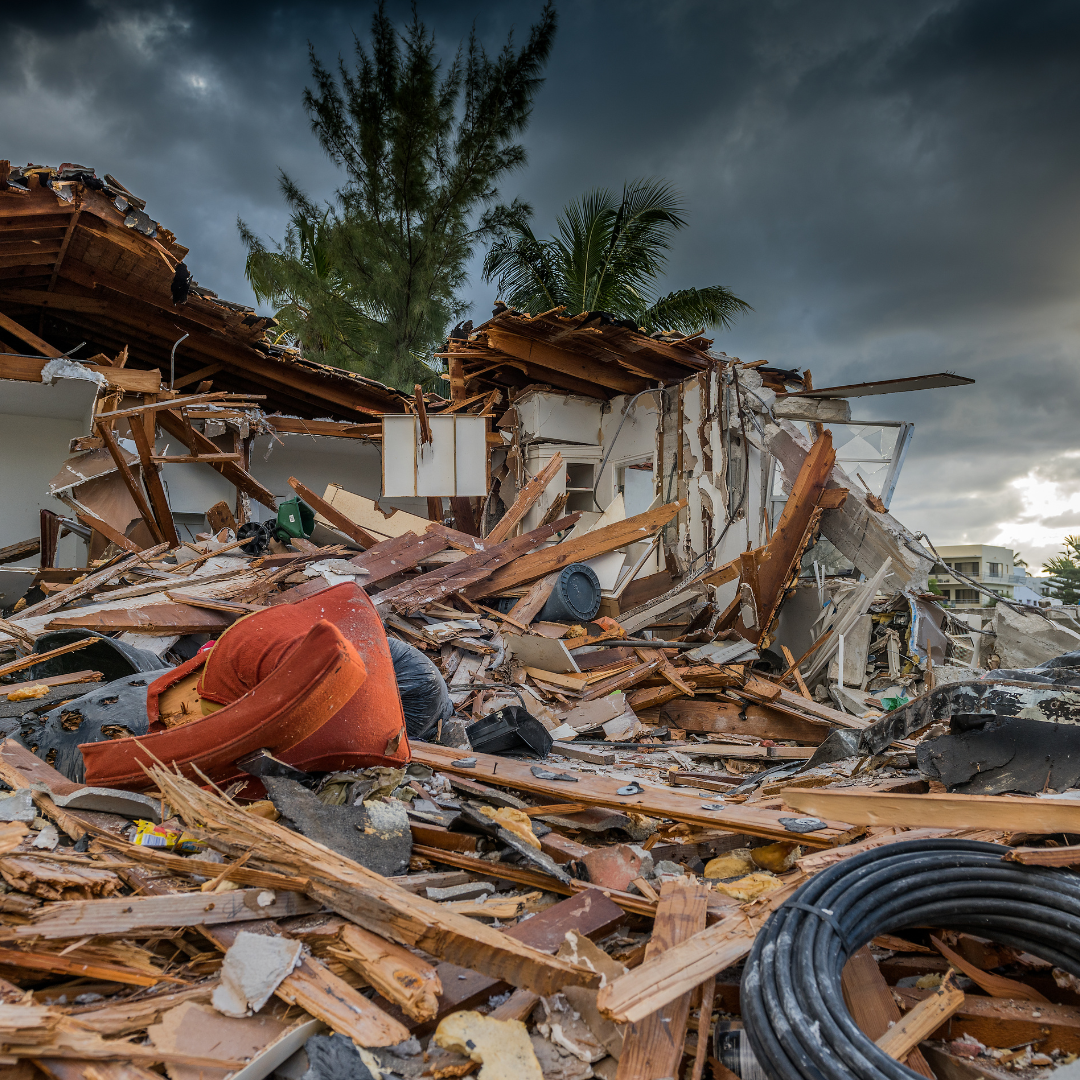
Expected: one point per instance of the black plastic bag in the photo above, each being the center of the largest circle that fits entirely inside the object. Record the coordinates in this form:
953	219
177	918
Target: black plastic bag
425	700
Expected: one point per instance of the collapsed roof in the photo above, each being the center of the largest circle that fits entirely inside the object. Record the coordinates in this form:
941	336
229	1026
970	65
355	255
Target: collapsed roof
82	261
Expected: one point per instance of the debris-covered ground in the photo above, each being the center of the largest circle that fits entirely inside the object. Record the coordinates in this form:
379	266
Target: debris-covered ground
527	788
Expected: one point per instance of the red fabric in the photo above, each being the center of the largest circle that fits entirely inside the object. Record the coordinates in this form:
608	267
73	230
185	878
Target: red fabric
369	729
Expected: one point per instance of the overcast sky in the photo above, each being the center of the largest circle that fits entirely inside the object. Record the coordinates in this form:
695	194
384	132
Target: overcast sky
892	186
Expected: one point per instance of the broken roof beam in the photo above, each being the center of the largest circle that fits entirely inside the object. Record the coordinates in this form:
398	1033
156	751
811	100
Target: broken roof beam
883	386
565	361
858	532
19	331
201	445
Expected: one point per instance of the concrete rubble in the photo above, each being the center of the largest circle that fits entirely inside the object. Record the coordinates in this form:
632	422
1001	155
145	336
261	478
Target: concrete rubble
316	766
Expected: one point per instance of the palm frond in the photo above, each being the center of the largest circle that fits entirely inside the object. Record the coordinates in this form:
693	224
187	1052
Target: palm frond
688	310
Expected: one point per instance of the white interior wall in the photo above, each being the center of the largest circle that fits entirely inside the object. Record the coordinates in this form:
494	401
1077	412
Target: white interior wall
37	424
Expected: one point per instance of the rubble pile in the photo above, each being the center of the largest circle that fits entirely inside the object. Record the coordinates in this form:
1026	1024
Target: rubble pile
701	781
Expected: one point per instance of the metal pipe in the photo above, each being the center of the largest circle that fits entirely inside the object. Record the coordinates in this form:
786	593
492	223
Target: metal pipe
172	360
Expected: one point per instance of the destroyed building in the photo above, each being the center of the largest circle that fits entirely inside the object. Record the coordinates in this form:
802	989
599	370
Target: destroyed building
593	718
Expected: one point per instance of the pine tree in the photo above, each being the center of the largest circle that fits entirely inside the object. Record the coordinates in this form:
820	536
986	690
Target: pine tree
372	281
1064	571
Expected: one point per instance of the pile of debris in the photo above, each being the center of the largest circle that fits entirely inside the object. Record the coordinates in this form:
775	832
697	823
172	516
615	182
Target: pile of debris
647	751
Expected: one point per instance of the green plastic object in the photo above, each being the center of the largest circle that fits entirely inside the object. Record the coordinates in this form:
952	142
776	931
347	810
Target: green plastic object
891	703
295	519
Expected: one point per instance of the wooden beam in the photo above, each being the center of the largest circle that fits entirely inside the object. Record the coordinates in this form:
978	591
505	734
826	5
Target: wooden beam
1009	814
335	517
677	970
653	1047
526	497
576	549
870	1002
151	472
565	362
19	331
130	480
68	234
198	443
901	1039
603	791
198	375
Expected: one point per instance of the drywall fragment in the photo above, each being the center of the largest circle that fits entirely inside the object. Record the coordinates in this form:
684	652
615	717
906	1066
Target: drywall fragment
623	728
583	1001
47	838
502	1047
18	806
253	968
557	1063
820	410
557	1020
593	713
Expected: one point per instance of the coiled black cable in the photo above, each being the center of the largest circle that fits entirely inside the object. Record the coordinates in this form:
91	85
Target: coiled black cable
792	1004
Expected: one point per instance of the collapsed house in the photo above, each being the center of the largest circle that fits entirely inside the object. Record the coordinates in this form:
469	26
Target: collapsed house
557	726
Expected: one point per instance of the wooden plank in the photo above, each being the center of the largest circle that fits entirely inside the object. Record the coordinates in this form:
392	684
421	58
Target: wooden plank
901	1039
124	915
675	972
18	330
198	443
602	791
1007	813
53	680
364	897
151	472
103	527
531	604
526	497
314	988
577	549
153	619
1000	1022
871	1003
786	545
33	659
590	913
24	549
107	436
653	1047
335	517
758	721
576	365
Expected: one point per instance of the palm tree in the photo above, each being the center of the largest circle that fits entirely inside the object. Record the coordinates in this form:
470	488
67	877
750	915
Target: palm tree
609	256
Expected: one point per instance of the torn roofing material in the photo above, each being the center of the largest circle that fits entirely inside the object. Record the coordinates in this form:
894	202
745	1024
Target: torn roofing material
590	354
885	386
81	262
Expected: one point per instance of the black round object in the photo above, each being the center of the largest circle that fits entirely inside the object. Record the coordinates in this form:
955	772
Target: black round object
575	598
259	534
792	1003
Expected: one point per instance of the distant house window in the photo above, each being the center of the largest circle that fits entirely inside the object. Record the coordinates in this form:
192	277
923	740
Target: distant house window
994	569
966	594
945	593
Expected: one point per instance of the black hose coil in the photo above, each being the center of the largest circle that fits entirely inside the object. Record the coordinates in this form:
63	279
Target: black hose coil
792	1004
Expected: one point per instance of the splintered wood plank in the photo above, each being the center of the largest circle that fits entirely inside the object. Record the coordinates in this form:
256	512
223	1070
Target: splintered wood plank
902	1038
198	443
676	971
590	913
525	500
603	791
335	517
530	605
130	480
785	548
871	1004
317	990
1019	814
151	472
653	1046
153	619
577	549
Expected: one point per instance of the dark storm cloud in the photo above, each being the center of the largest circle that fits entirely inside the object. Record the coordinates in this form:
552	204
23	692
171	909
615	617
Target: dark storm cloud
895	188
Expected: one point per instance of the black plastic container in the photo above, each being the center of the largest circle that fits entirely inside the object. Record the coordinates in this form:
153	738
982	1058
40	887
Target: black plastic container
575	598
